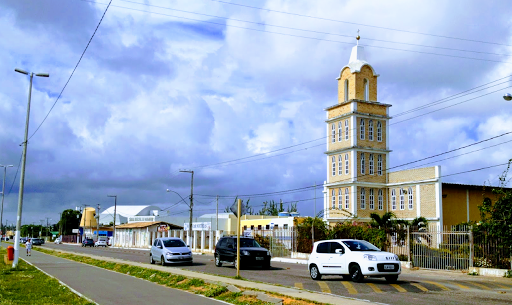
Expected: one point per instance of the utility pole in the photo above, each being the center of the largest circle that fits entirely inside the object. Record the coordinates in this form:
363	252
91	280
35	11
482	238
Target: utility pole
217	229
60	223
191	204
114	233
98	223
2	229
314	219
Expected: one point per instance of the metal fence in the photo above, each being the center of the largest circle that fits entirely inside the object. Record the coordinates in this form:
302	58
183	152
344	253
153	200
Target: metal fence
280	242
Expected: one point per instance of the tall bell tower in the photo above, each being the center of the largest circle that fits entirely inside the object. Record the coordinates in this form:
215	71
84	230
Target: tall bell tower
357	144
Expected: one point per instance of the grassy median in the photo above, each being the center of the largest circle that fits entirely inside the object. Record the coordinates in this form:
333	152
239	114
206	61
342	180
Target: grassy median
194	285
27	285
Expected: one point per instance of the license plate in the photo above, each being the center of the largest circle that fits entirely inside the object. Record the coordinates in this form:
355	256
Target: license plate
259	258
389	267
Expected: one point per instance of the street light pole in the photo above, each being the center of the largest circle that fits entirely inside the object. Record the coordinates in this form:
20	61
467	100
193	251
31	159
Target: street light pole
2	229
115	206
22	175
191	204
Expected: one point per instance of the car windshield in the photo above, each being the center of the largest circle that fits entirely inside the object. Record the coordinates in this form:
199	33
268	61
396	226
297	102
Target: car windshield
173	243
360	245
248	243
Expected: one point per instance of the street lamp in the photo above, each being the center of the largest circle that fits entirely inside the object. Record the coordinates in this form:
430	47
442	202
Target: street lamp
191	203
22	175
114	233
190	224
507	97
3	194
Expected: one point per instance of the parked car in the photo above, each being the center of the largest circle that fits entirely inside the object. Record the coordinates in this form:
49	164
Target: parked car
251	253
5	238
100	243
352	259
88	242
58	240
23	240
170	250
37	241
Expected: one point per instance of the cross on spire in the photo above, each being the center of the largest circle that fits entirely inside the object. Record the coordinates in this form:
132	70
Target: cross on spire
358	37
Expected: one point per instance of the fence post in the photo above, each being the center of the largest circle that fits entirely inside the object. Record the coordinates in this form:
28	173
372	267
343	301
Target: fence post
408	246
470	248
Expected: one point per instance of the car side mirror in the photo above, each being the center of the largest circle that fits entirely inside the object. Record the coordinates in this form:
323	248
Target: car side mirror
339	251
159	247
188	246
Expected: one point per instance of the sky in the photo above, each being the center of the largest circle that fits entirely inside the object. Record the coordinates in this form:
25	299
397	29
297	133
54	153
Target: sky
236	91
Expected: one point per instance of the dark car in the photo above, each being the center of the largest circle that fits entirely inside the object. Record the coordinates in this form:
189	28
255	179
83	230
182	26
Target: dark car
37	241
251	253
88	242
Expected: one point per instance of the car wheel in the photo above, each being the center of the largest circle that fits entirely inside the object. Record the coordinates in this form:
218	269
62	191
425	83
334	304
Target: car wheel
355	273
162	261
314	273
266	266
151	260
391	278
217	261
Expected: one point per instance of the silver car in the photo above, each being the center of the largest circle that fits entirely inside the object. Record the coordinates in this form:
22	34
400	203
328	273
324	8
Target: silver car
170	250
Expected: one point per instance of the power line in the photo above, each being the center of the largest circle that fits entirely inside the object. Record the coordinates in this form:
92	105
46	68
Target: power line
16	175
73	72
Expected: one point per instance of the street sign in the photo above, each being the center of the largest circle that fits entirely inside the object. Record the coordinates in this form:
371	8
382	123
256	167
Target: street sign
234	209
75	231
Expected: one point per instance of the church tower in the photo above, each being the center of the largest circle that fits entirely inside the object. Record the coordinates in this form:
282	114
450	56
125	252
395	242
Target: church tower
357	144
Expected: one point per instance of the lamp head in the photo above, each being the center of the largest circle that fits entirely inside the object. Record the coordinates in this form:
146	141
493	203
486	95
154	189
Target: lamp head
21	71
507	97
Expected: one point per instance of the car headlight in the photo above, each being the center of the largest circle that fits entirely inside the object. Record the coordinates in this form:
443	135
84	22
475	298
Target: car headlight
396	258
168	254
245	252
370	257
268	253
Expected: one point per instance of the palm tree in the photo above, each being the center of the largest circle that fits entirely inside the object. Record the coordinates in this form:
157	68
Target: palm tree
383	222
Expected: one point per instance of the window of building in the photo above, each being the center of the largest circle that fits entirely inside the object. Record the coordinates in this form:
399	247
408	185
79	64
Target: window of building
259	227
267	227
340	165
333	161
363	198
285	226
346	90
245	228
371	202
333	196
380	200
340	200
370	130
346	164
252	227
346	129
402	199
393	200
333	132
379	165
361	129
409	193
379	131
362	164
347	199
370	163
366	90
339	131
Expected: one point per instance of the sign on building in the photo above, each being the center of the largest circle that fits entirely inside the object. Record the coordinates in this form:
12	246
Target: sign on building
163	228
198	226
140	218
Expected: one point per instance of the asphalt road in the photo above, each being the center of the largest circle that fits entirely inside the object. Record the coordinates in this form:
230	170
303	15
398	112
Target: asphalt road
427	287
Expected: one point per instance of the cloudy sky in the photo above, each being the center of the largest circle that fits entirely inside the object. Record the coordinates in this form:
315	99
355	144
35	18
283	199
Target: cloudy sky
236	91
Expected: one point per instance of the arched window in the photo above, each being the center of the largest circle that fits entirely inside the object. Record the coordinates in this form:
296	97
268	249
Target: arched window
370	130
380	200
347	199
340	165
379	165
366	90
409	193
361	129
339	131
363	198
393	200
402	199
340	200
346	90
346	164
333	132
379	131
371	200
333	160
370	163
346	129
362	164
333	195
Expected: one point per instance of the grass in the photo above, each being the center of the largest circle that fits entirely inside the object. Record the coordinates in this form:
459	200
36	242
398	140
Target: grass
181	282
27	285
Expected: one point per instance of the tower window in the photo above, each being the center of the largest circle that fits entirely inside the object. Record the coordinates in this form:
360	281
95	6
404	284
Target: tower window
346	129
339	131
361	130
363	198
370	130
393	200
402	199
366	90
346	90
371	202
333	193
362	164
340	199
379	131
340	166
379	165
370	161
333	133
410	198
380	200
333	161
346	164
347	199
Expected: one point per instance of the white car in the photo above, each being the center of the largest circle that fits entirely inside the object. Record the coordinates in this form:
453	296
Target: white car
100	243
170	250
58	240
353	259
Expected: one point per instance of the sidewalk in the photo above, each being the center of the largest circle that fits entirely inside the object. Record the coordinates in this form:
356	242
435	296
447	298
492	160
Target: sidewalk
89	281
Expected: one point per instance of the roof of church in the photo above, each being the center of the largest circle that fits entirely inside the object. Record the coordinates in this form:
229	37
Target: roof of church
357	60
128	210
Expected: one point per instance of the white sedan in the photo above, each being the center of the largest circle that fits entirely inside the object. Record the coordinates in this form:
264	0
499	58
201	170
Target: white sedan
353	259
100	243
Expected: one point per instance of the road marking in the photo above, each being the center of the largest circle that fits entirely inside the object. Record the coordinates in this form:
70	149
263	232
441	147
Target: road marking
420	287
324	287
438	285
299	285
461	286
480	285
397	287
349	287
503	286
374	287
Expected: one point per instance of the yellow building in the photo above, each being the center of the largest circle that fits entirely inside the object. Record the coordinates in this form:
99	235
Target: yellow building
358	182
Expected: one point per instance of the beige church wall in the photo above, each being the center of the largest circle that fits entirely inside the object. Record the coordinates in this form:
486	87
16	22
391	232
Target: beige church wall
365	213
428	200
366	72
338	110
371	108
337	178
346	74
416	174
336	190
366	142
367	177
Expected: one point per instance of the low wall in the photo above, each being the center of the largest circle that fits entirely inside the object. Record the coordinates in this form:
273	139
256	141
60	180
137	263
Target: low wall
488	271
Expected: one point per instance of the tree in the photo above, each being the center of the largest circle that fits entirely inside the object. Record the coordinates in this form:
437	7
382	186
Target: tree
70	220
385	222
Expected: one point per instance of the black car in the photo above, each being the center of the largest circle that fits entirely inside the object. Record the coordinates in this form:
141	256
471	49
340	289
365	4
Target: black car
37	241
251	253
88	242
